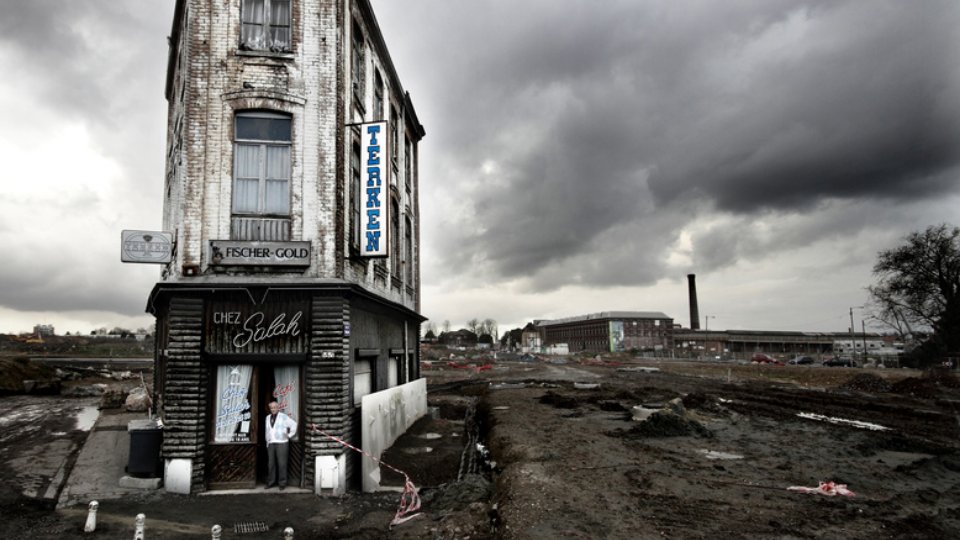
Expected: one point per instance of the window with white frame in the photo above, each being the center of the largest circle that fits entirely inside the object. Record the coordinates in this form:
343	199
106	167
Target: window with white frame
265	25
261	170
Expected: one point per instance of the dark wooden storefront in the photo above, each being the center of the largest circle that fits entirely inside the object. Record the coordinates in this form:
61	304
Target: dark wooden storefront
255	354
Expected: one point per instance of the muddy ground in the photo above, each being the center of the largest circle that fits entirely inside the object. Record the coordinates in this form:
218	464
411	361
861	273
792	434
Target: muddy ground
553	452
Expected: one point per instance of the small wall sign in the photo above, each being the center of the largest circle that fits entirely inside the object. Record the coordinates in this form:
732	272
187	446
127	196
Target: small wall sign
152	247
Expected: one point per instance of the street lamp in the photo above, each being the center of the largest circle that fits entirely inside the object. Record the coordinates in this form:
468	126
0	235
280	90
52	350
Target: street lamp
706	321
853	340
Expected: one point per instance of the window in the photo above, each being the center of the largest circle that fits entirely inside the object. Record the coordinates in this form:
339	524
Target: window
407	164
356	71
395	254
377	96
231	404
265	25
355	198
261	168
394	139
408	251
363	378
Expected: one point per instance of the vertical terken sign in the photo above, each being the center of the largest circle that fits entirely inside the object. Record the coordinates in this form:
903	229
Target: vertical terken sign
374	159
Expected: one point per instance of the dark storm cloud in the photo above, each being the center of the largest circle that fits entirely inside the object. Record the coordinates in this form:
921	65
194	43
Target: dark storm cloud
605	118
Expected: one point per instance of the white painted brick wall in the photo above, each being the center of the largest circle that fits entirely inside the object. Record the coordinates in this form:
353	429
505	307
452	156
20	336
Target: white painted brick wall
306	85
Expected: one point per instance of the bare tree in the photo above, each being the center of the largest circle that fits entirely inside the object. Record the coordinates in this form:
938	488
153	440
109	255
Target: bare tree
918	287
473	325
490	327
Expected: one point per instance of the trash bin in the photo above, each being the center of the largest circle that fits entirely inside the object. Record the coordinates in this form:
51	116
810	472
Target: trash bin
146	437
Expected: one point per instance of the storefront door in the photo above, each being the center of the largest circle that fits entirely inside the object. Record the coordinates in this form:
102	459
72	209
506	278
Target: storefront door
236	452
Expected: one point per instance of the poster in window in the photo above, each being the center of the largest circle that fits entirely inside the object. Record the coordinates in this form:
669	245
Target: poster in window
232	404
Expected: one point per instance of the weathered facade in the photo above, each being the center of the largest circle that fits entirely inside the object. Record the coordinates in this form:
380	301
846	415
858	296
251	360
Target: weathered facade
610	331
268	295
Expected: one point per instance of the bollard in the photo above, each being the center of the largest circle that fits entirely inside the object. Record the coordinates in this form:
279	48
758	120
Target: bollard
141	524
215	532
91	517
288	533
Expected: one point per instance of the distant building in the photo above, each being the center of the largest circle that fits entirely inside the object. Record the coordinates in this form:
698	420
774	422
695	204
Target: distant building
610	331
530	339
459	338
44	330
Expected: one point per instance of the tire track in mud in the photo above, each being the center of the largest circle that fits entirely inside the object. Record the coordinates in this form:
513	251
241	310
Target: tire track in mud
929	422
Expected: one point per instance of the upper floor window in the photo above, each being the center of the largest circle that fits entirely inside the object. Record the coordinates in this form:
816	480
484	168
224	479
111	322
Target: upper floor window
265	25
356	67
355	198
395	255
377	96
407	164
394	139
261	169
408	251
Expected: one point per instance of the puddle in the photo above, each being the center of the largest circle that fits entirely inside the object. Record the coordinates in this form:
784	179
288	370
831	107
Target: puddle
896	459
417	450
86	418
843	421
430	436
713	454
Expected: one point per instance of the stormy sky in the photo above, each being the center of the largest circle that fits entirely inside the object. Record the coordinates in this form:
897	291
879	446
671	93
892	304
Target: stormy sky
580	156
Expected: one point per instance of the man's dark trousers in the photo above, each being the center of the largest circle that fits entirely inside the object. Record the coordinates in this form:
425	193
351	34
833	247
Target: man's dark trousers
277	460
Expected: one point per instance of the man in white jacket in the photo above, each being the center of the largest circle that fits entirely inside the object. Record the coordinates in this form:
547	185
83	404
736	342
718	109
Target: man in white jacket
279	429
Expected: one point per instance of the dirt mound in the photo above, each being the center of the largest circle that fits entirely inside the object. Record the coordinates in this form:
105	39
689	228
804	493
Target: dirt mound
922	387
866	382
21	376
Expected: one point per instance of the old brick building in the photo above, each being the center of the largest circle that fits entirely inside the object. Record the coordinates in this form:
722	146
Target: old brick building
610	331
295	273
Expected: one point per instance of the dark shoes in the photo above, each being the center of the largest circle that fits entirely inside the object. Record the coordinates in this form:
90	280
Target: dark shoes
281	488
270	486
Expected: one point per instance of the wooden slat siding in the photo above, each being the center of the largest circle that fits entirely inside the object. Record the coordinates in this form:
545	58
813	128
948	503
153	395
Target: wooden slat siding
263	229
326	380
185	398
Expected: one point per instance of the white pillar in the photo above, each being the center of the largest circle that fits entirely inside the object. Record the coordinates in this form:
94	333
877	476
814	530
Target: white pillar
140	525
215	532
288	533
91	517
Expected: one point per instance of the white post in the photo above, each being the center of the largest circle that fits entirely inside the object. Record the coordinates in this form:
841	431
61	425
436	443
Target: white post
288	533
91	517
140	524
215	532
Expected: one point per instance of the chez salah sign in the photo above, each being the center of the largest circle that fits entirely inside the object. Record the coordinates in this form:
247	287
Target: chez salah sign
277	327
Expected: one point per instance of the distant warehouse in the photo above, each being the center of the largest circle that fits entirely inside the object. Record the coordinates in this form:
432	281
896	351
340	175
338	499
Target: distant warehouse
609	331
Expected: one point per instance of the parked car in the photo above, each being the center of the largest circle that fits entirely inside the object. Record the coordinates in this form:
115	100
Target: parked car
842	361
800	361
760	358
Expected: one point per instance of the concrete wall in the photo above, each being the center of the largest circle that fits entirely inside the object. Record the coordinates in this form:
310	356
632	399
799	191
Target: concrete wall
385	416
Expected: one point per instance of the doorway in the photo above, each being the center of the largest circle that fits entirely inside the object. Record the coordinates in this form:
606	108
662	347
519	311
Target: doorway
236	450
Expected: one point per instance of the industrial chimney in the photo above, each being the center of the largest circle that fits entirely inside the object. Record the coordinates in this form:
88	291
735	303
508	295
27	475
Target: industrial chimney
694	310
